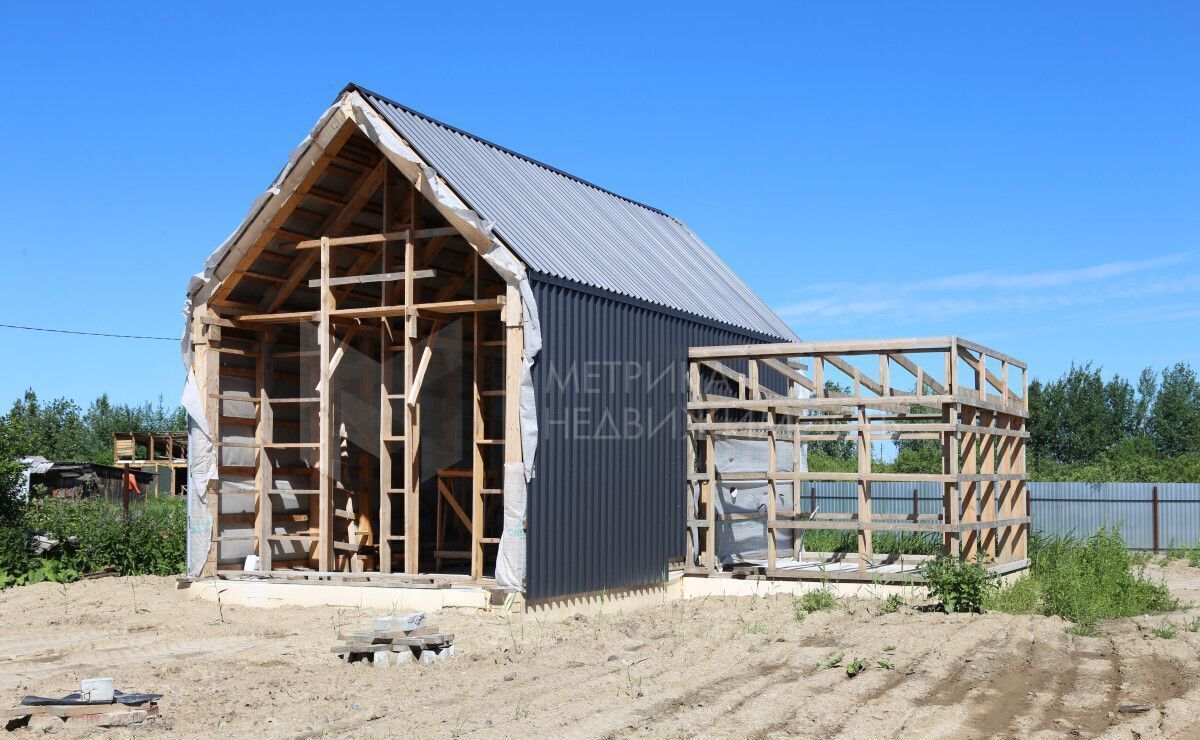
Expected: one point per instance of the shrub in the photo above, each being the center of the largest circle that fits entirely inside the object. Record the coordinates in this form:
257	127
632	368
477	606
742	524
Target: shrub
893	603
1084	581
816	601
94	534
960	585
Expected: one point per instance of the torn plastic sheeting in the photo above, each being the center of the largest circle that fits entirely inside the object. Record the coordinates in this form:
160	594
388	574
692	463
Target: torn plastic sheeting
200	471
510	570
737	541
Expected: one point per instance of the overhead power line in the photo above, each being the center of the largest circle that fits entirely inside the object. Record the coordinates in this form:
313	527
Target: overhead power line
87	333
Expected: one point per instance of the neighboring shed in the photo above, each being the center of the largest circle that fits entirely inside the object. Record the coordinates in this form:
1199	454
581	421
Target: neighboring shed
424	353
80	480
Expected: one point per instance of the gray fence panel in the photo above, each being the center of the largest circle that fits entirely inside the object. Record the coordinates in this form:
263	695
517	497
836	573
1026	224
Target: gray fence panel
1179	514
1079	509
1062	509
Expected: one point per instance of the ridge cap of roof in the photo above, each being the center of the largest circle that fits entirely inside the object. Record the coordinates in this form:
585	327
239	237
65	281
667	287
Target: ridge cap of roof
371	93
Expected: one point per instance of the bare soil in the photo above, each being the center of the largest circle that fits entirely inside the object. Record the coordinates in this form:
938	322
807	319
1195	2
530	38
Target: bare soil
744	668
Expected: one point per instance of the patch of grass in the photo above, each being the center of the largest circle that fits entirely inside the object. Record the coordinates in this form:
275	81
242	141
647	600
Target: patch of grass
1081	630
891	543
833	661
855	667
893	603
1023	596
960	585
816	601
1084	581
1193	626
1165	631
885	664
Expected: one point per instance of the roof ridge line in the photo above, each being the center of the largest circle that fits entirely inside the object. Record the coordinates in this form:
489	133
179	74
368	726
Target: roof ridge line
371	93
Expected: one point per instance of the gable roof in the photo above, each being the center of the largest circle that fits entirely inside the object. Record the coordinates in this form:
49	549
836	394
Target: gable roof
568	228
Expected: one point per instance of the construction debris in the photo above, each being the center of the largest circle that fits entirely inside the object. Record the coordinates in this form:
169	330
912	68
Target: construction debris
97	704
396	639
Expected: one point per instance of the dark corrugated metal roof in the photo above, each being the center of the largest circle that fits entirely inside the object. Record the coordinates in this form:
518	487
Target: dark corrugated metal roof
566	227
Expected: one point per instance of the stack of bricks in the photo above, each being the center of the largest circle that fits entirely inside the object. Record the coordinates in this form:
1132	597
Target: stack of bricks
396	639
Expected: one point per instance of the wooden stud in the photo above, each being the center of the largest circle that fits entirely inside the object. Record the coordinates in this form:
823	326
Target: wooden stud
412	502
968	464
325	415
864	492
264	480
987	488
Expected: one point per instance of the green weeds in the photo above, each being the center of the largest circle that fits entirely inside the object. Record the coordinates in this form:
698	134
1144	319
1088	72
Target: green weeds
959	585
1084	581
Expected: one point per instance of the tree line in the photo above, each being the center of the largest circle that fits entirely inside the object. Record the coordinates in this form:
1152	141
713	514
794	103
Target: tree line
61	430
1083	428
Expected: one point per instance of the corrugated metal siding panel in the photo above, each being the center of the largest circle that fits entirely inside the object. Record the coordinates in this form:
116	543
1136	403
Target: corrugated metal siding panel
561	226
606	504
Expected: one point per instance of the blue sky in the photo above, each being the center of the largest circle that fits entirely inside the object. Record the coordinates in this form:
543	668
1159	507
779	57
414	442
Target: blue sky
1023	174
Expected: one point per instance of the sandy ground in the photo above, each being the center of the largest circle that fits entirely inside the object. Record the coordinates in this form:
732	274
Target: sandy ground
708	667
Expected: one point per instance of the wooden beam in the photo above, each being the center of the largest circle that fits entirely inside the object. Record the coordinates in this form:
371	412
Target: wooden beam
385	277
393	236
290	202
426	357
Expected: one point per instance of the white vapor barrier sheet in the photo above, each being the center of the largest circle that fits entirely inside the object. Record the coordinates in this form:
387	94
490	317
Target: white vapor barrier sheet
747	540
510	565
200	471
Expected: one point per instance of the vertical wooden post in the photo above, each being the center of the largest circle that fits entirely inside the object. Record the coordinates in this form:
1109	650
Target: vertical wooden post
864	489
987	489
710	494
950	505
1021	549
772	486
412	483
325	414
968	464
477	431
818	376
264	436
514	363
1004	498
692	485
387	294
796	460
208	372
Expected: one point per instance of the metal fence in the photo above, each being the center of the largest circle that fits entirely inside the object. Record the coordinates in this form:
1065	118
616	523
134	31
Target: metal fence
1151	516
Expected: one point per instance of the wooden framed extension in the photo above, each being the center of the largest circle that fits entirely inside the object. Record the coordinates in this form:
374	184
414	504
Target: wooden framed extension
163	453
360	353
968	400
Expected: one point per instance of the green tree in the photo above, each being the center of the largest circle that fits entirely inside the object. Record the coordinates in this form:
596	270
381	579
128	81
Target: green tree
1175	414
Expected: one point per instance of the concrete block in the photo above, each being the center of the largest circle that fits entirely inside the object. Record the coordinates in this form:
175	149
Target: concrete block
445	652
382	658
428	656
404	621
97	689
404	656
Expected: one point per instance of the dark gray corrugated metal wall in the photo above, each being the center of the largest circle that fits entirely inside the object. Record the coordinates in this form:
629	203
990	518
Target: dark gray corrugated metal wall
606	505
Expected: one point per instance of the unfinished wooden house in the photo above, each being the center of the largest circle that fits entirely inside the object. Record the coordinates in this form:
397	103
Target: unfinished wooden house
162	453
424	356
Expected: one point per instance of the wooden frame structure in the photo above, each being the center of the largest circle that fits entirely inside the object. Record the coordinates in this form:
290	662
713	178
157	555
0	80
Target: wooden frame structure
335	316
969	399
165	452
